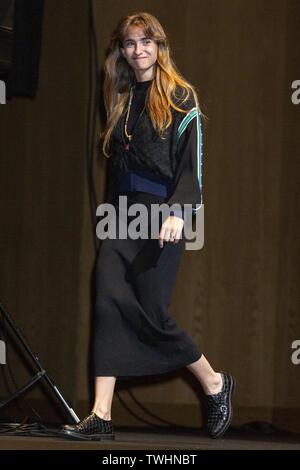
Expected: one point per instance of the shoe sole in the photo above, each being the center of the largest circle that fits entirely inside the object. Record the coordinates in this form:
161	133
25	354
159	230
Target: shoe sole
231	392
88	437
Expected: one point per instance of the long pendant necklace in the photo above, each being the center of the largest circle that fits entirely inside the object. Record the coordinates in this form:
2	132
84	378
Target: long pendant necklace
129	136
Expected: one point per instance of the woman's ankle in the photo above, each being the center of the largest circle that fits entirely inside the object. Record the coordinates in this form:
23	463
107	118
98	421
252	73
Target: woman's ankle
213	385
103	414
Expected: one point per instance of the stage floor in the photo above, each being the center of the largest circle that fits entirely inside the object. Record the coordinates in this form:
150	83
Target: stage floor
140	439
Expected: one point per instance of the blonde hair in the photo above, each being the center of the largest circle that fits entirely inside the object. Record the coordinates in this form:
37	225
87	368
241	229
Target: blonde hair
119	77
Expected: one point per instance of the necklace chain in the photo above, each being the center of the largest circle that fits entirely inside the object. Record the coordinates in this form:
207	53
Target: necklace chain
129	136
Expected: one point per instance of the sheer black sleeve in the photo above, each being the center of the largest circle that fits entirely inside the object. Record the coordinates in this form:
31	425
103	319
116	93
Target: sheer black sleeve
188	177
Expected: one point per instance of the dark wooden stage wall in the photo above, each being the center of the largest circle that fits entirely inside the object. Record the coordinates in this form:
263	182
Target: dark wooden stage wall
239	296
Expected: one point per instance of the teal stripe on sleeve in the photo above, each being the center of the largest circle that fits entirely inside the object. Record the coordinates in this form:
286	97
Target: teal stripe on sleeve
194	112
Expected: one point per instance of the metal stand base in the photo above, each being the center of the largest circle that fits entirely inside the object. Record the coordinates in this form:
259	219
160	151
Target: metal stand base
39	375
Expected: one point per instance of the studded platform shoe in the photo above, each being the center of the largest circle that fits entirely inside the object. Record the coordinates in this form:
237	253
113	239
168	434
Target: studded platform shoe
91	428
219	407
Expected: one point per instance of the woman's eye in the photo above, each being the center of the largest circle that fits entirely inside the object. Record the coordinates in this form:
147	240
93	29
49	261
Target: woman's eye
130	44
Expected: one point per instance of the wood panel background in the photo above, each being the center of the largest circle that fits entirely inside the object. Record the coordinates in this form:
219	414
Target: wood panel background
239	296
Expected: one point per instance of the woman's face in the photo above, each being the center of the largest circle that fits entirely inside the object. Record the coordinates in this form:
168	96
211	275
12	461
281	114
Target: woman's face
140	53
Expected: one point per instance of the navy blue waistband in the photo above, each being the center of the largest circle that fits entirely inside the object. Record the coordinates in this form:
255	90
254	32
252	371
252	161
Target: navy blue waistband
144	182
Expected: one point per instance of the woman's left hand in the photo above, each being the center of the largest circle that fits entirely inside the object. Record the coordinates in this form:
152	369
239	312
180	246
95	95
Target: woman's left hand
171	230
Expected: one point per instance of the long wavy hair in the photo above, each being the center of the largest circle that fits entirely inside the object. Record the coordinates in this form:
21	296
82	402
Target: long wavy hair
119	77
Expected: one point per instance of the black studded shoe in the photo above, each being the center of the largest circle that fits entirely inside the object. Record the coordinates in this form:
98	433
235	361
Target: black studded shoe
219	407
90	428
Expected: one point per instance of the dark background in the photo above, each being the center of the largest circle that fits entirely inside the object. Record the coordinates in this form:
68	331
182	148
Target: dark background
238	297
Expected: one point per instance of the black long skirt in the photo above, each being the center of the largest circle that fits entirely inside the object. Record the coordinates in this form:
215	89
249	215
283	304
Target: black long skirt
134	333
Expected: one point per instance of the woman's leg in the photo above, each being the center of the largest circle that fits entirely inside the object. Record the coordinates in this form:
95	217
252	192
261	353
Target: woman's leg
218	388
104	391
100	426
210	380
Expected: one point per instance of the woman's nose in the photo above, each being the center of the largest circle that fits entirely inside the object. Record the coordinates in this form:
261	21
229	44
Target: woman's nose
138	48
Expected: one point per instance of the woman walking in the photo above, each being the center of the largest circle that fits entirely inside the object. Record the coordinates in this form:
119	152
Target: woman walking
153	141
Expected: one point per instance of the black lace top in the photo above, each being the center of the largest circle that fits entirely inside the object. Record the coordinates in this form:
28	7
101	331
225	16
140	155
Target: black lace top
176	159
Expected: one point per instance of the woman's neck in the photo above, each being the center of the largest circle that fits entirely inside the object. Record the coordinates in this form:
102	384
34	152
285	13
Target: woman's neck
142	85
145	75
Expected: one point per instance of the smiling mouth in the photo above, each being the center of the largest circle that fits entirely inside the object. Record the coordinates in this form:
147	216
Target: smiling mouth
140	58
